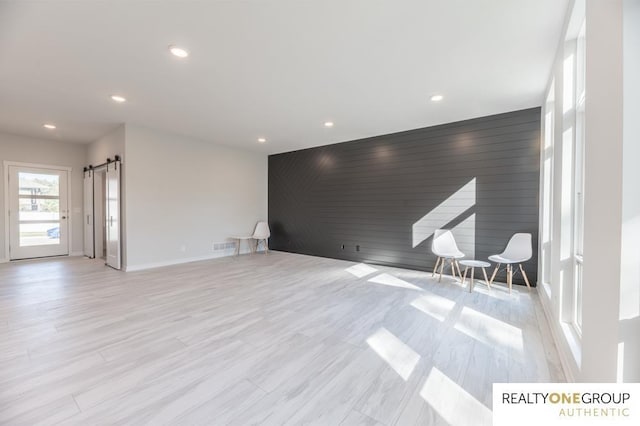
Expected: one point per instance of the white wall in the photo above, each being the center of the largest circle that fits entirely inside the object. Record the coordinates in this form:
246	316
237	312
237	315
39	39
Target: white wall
603	190
30	150
629	338
183	195
108	146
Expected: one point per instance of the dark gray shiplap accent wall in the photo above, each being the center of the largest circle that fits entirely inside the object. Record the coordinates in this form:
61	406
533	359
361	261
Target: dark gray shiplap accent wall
388	193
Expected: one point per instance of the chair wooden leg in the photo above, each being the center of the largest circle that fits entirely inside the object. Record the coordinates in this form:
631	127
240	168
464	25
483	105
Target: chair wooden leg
464	277
452	263
435	268
266	246
441	269
509	276
495	271
486	280
526	280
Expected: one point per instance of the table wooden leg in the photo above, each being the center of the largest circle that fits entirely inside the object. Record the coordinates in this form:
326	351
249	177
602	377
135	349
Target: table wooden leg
495	271
238	246
486	280
473	270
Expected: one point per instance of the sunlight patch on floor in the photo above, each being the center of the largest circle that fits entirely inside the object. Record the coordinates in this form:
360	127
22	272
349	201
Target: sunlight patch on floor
493	332
436	306
394	352
360	270
392	281
452	402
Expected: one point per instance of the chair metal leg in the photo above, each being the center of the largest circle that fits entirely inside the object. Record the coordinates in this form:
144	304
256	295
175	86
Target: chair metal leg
526	280
435	268
495	271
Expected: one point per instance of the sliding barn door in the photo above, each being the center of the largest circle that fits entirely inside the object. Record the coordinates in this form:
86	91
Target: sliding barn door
113	225
89	231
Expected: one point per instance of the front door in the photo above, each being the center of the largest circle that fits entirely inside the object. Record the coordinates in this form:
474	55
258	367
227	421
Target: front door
38	212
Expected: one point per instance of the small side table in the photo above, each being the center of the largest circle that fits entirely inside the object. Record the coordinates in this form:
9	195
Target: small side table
473	264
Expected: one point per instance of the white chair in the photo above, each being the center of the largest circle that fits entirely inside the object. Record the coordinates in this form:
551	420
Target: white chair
262	233
444	246
518	250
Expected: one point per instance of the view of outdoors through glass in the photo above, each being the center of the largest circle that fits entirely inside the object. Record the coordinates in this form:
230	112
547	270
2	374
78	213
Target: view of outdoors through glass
39	209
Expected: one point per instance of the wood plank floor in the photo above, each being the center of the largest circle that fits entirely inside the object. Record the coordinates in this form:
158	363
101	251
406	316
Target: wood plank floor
260	339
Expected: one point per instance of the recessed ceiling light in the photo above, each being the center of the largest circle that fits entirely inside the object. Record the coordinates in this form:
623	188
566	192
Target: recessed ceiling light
118	98
262	140
437	98
328	124
49	126
178	51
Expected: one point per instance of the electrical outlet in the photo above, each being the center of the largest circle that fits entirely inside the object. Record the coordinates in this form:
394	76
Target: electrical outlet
343	247
357	248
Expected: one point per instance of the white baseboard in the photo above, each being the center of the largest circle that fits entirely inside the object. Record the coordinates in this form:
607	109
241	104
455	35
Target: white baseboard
153	265
569	365
2	260
76	253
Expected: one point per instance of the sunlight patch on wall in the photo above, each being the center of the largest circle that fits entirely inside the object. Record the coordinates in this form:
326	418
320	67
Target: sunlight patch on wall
448	210
394	352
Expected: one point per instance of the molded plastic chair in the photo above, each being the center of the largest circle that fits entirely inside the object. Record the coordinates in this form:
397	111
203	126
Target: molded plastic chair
518	250
444	246
262	233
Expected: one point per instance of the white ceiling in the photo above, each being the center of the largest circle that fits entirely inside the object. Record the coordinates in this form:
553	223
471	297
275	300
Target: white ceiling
273	68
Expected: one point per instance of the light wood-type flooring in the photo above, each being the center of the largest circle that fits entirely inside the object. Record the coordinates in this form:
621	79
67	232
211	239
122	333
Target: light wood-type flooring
260	339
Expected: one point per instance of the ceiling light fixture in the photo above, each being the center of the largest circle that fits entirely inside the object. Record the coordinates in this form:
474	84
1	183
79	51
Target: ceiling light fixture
118	98
437	98
328	124
49	126
178	51
262	140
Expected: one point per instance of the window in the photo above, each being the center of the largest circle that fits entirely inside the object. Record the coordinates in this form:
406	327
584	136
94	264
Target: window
578	231
547	187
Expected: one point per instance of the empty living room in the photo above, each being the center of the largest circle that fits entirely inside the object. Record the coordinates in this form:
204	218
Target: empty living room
292	212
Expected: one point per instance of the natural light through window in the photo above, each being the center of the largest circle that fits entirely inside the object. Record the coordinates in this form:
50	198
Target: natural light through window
361	270
390	280
454	404
443	214
433	305
494	333
394	352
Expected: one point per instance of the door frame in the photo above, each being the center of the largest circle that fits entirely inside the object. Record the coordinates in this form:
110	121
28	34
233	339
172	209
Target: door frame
6	164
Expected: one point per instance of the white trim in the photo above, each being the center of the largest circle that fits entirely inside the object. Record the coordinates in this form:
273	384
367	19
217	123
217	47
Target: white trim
567	355
5	260
6	164
76	253
153	265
